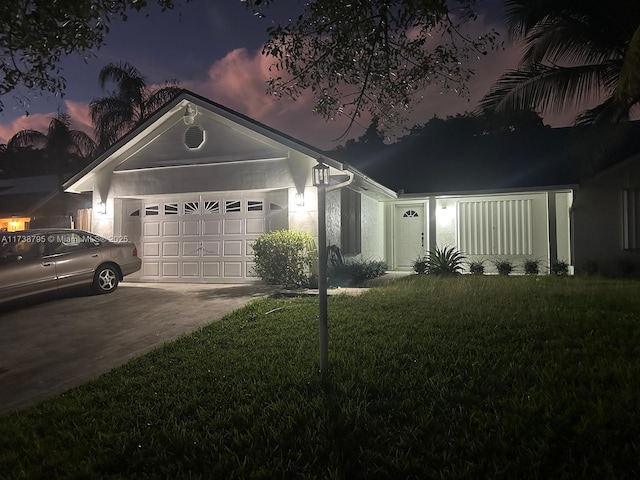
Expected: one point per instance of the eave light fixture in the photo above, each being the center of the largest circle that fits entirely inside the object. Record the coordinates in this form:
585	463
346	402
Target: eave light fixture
320	174
190	113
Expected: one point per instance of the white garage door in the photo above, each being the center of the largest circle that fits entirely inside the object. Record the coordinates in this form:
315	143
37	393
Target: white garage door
201	238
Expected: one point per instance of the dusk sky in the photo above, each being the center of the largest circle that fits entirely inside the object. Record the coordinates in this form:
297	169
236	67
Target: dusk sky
214	50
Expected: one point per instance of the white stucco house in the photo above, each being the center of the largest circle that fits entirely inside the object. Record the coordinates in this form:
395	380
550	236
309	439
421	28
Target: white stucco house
197	183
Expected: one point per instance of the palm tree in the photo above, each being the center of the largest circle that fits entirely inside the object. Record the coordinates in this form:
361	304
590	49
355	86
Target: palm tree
60	145
576	51
129	105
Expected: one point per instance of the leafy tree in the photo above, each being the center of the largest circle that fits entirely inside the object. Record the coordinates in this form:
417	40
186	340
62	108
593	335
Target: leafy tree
372	55
65	149
35	35
133	102
576	50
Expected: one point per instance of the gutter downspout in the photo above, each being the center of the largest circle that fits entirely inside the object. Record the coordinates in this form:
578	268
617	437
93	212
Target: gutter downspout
346	183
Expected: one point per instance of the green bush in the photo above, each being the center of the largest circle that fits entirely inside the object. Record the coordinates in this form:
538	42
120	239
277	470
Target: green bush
531	266
285	257
440	261
355	272
504	267
477	267
559	267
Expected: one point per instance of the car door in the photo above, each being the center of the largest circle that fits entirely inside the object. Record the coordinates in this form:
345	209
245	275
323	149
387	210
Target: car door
25	269
76	257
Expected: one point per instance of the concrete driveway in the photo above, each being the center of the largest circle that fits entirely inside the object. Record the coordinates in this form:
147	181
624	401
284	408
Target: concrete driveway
52	344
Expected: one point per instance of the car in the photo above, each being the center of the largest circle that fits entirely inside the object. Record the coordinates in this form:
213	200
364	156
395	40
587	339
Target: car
46	260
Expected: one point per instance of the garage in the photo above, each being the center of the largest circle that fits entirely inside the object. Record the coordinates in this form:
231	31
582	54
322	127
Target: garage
202	238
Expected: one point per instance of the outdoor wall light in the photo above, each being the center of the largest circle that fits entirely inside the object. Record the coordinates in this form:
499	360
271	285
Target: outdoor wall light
189	114
299	199
101	208
320	174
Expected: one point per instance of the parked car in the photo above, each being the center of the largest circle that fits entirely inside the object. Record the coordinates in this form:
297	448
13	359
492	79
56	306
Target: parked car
38	261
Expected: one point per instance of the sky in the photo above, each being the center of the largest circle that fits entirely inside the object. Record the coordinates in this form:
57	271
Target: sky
213	48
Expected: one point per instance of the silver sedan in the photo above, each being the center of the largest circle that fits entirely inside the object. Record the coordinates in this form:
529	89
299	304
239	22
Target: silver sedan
38	261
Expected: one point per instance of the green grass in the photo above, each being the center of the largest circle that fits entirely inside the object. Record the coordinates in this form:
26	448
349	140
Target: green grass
464	377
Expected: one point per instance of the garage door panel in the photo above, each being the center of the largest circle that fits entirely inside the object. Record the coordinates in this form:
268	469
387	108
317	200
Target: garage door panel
211	227
191	269
151	229
211	249
151	249
255	226
170	269
190	249
211	269
171	229
170	249
232	248
191	227
232	226
232	269
151	269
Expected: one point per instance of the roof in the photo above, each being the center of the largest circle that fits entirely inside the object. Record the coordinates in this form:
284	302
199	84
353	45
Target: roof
532	158
82	180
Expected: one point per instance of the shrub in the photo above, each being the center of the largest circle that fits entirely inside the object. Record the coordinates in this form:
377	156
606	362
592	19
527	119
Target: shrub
440	261
559	267
477	267
421	265
504	267
531	266
285	257
355	272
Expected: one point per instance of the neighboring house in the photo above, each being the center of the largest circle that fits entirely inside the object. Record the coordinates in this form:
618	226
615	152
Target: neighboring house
197	183
36	202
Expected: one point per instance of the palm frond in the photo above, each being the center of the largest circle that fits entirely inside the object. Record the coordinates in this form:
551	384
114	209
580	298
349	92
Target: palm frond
545	88
27	138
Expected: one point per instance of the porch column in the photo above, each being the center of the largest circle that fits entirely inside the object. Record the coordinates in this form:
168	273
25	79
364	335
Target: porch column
433	230
553	229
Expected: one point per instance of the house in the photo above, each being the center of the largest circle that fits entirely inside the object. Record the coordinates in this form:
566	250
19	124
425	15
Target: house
197	183
36	201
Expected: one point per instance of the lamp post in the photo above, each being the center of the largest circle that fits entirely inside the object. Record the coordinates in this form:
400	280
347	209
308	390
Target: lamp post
320	181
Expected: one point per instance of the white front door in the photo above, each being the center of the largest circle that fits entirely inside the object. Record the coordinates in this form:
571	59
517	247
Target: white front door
201	238
410	238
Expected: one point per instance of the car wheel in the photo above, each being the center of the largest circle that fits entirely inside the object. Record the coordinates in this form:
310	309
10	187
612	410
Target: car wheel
105	279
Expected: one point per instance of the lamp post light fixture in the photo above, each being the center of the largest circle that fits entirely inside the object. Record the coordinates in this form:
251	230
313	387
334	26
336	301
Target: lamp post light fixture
320	181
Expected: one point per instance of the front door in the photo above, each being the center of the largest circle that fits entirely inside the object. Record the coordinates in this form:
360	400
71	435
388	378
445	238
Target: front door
410	239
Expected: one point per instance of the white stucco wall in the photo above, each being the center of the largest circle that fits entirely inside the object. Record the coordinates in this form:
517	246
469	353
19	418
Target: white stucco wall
598	220
373	229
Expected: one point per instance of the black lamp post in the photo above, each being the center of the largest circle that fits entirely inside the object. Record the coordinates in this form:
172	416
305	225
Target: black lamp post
320	181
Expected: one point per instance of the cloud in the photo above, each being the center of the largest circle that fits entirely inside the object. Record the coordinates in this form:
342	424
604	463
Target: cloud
78	111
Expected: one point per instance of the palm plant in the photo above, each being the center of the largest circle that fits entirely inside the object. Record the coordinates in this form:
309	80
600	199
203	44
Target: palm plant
576	51
60	144
133	102
445	261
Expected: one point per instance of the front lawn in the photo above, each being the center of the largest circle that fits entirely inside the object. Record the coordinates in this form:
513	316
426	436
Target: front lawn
465	377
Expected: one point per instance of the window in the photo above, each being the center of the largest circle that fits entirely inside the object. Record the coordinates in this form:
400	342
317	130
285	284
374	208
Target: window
232	206
191	208
211	206
255	206
410	214
496	227
631	219
350	222
171	209
151	210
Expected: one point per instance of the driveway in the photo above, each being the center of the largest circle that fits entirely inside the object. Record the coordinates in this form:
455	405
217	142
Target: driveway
52	344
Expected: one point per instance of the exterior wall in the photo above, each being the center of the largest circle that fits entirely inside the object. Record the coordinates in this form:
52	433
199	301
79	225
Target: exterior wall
443	226
373	230
597	216
564	201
